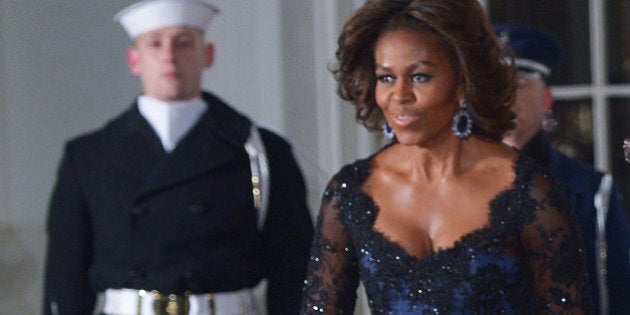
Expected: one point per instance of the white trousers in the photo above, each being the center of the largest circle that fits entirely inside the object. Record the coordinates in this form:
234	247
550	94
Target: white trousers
140	302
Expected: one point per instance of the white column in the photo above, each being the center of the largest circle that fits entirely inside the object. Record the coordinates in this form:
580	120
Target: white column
599	77
328	103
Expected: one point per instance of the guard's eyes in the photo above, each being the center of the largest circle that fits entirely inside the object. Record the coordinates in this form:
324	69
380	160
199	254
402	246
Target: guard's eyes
522	83
184	42
180	42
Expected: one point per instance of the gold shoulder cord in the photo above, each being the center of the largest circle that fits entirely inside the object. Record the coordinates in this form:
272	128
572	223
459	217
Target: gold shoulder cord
260	173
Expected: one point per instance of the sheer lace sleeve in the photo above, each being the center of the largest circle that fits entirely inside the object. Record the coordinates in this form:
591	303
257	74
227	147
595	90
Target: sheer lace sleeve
553	248
332	277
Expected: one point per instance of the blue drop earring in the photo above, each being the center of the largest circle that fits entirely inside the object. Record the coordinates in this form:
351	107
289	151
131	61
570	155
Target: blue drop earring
462	122
388	131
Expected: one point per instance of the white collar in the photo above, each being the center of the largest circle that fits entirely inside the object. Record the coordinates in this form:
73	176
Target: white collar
171	121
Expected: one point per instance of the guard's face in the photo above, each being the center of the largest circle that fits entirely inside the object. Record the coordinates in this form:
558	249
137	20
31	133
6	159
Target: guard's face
416	86
533	100
169	62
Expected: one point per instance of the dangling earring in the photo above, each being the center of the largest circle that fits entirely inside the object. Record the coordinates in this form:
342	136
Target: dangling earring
462	123
548	122
388	131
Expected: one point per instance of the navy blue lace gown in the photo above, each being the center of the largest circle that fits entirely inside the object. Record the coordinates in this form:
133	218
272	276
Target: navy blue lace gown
526	260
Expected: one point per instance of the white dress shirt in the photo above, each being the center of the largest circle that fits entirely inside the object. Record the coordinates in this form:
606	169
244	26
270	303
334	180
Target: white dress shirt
171	121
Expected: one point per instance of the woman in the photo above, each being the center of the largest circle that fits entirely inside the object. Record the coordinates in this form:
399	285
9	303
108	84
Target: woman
445	219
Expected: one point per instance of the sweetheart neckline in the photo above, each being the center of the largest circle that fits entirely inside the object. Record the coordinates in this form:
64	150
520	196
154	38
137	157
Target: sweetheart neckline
460	241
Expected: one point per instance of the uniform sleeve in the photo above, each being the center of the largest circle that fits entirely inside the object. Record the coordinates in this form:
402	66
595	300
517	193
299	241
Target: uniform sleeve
618	258
554	253
288	229
66	289
332	276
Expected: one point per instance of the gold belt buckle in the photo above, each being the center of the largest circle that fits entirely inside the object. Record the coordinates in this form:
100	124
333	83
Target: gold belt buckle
170	304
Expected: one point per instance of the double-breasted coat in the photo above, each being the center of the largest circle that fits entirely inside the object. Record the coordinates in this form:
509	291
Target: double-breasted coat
125	214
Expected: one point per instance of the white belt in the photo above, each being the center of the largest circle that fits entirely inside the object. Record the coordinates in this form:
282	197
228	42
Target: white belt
140	302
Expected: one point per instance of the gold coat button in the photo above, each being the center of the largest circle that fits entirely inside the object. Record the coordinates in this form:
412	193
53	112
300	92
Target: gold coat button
138	209
197	208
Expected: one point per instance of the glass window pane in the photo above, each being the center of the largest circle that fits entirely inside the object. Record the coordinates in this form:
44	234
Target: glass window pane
567	19
618	28
574	133
619	130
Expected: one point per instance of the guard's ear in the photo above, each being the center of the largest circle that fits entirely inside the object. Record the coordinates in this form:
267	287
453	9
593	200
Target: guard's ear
548	98
132	61
209	54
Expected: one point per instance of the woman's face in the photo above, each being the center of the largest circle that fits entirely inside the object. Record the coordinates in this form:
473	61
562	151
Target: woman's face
416	86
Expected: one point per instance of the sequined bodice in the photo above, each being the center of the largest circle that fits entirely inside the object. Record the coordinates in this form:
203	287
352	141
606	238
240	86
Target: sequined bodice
527	259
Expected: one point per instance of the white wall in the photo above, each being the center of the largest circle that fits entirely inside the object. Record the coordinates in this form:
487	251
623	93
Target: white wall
61	75
63	72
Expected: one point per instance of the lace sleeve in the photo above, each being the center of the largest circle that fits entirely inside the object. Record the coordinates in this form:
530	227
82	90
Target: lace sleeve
332	277
554	253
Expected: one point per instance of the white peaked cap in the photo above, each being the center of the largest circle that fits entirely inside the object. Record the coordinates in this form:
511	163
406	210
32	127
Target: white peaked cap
150	15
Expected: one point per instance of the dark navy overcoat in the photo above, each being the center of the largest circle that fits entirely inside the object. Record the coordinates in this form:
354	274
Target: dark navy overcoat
125	214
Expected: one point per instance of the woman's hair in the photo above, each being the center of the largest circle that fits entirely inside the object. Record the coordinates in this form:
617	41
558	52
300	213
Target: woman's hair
488	81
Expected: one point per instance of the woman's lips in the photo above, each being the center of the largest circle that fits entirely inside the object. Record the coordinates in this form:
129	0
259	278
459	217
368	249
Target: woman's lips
405	119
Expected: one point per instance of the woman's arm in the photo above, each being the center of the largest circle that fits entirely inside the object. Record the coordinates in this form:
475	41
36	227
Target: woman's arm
554	252
332	276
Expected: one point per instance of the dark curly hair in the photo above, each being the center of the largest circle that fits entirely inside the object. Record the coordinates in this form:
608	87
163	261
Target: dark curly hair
488	81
